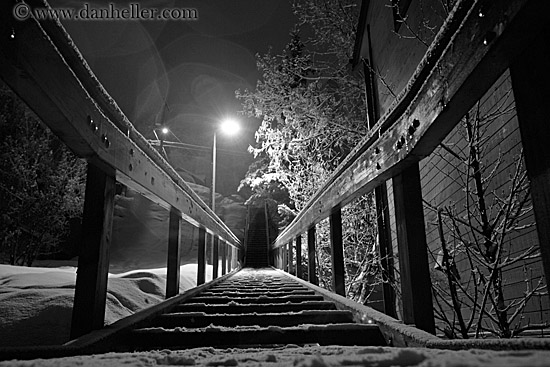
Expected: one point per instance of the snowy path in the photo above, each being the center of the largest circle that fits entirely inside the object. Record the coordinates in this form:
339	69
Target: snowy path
255	307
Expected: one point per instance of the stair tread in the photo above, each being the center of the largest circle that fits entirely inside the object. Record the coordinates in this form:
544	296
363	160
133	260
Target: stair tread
341	334
202	319
253	307
258	308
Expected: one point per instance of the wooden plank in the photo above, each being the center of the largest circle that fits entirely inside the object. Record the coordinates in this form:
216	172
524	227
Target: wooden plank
299	256
215	256
229	258
466	58
290	258
337	253
385	249
62	91
201	257
416	290
285	257
174	254
311	266
93	258
530	80
224	257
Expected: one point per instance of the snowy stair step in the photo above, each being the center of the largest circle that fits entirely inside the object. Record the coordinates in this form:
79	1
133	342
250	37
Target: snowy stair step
243	289
251	294
202	319
216	336
260	299
234	308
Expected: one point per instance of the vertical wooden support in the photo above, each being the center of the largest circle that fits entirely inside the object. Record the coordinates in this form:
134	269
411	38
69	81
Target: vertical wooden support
229	258
290	258
413	253
380	192
385	249
311	267
337	247
215	256
173	263
285	257
224	258
530	78
201	258
299	257
93	259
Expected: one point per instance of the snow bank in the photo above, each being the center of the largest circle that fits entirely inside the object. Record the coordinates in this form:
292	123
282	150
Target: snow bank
36	303
312	356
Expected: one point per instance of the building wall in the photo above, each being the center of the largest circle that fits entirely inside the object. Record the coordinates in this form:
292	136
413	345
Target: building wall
394	57
443	186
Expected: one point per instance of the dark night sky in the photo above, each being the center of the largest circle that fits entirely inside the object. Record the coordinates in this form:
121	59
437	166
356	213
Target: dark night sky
195	66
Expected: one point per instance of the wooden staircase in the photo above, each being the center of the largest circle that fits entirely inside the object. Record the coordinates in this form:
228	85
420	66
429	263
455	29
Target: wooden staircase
257	239
254	307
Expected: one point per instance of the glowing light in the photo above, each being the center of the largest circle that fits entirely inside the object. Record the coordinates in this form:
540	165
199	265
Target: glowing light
230	126
165	130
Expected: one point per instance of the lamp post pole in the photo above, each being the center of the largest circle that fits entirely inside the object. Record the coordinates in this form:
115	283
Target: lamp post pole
213	187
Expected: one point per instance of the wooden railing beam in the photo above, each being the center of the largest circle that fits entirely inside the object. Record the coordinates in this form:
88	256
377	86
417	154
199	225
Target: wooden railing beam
466	58
39	61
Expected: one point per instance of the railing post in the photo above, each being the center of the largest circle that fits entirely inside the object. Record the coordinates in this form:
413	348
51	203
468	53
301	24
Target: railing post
413	253
224	258
201	258
173	261
215	255
299	256
285	258
337	247
93	259
229	258
529	74
385	249
290	258
311	267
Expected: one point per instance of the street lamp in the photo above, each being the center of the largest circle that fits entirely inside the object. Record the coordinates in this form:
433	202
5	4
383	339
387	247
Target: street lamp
164	132
227	126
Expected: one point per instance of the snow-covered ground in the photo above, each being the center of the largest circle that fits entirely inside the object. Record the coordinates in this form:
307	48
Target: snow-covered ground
35	309
312	356
36	303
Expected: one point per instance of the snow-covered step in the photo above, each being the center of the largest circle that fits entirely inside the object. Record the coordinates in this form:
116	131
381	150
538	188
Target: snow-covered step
260	299
243	289
217	336
234	308
254	307
202	319
257	293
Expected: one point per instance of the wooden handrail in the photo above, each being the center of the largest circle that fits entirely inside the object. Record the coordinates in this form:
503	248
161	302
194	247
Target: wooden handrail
467	56
40	62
